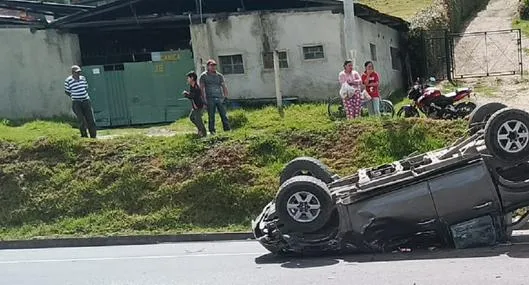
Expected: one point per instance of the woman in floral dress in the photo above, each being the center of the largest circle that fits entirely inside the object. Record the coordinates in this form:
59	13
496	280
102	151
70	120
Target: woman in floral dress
351	84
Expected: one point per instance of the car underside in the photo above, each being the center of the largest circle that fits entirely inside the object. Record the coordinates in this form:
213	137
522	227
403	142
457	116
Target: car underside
459	196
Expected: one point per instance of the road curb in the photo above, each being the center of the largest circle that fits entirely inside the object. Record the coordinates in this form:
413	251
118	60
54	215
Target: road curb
121	240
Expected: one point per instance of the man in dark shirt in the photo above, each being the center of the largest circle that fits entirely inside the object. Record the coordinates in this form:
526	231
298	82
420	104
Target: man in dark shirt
197	102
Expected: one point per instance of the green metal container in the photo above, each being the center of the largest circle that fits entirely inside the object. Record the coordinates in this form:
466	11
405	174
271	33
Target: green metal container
141	92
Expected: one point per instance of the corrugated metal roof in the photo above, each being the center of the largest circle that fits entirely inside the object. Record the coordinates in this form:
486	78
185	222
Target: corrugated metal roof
45	8
142	11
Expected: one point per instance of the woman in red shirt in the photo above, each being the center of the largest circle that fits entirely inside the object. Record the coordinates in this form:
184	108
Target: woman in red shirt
371	80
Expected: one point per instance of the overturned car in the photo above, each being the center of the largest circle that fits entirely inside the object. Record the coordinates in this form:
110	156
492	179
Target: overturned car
460	196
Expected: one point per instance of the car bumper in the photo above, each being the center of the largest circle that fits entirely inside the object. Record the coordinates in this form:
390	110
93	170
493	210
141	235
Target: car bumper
267	231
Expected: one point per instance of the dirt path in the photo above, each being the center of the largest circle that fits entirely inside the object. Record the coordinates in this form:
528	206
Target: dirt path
500	54
150	132
497	16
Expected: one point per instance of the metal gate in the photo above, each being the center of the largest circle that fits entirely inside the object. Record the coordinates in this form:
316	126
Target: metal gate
482	54
140	92
437	54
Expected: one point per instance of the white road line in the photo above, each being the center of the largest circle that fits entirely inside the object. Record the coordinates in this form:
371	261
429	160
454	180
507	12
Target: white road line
128	258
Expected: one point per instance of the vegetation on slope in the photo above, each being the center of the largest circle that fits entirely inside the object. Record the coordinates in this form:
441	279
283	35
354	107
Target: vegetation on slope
53	183
404	9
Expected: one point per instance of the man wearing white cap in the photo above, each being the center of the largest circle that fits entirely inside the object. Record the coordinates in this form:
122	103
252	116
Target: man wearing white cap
76	87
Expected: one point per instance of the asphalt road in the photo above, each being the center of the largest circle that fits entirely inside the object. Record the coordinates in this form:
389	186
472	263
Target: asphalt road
246	262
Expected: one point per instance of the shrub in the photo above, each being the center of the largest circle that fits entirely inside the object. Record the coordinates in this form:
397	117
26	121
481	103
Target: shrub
238	119
434	17
523	10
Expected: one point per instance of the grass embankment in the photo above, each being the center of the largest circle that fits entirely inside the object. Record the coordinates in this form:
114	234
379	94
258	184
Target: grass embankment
521	24
54	184
404	9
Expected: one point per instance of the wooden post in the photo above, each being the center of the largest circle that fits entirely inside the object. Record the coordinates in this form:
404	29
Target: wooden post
278	84
352	56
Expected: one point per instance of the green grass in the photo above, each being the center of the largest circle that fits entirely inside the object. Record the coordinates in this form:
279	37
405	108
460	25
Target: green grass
56	184
33	130
399	98
404	9
523	25
481	88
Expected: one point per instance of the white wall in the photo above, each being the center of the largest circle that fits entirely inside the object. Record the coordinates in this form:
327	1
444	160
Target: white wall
33	67
383	37
254	33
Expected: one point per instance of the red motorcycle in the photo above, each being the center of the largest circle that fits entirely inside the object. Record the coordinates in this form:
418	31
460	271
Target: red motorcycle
432	103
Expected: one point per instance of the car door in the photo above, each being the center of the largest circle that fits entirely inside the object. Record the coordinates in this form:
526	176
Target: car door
397	216
465	193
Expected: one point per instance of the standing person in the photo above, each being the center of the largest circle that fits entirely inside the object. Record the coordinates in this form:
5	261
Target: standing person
371	81
351	84
76	87
197	102
215	91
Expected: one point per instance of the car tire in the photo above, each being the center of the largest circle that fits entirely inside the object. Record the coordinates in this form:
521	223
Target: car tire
482	114
303	204
307	166
508	230
507	135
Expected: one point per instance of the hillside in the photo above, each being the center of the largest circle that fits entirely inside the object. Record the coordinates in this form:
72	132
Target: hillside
405	9
53	183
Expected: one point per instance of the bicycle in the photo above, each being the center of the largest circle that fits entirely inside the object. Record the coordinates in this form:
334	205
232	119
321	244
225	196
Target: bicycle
336	110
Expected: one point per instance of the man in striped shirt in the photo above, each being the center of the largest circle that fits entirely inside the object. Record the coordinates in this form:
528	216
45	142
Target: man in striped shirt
76	87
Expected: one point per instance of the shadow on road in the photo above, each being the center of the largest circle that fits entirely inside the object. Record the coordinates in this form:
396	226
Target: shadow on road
519	249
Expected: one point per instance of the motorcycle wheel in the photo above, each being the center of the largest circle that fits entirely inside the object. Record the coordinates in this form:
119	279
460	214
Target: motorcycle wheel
448	114
335	109
432	113
464	109
408	112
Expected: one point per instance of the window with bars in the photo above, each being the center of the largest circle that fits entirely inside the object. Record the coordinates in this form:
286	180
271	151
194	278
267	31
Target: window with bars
268	60
395	58
231	64
313	52
373	49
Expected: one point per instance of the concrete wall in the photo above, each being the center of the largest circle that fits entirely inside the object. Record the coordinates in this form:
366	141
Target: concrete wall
253	34
33	67
383	37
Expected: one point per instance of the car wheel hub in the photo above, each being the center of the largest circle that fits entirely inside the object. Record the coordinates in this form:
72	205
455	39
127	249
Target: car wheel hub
303	207
513	136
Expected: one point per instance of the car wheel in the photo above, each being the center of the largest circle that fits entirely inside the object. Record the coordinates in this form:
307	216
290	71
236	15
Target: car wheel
304	204
507	135
307	166
481	115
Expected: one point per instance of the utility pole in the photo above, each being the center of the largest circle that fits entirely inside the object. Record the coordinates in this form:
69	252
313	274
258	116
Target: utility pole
200	7
349	27
279	98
